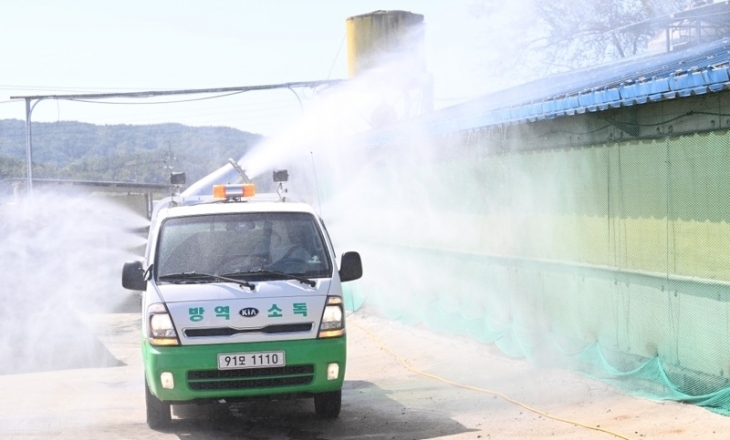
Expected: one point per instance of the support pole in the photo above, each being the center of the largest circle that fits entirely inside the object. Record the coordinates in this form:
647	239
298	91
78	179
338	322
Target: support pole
28	148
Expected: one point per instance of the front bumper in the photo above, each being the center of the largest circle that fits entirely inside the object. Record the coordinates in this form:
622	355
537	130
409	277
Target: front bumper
195	373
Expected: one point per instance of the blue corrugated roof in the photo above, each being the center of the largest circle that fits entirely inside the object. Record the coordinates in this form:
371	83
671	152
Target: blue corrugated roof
628	82
632	81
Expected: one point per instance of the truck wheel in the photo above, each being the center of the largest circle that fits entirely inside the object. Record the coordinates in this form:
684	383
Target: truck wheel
158	412
327	405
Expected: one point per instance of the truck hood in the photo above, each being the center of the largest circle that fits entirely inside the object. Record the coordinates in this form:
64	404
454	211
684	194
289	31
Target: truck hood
218	313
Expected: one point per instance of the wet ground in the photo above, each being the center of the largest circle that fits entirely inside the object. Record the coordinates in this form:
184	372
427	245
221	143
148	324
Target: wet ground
401	383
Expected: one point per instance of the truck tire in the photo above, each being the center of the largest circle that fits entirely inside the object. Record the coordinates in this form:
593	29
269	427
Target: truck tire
158	412
327	405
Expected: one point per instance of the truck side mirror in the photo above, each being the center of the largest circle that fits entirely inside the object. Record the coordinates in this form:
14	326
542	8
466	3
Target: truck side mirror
133	276
350	267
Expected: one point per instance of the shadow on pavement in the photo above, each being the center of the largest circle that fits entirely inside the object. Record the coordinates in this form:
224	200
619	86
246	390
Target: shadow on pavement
367	412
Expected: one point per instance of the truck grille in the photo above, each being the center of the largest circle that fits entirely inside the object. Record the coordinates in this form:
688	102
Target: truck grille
270	377
229	331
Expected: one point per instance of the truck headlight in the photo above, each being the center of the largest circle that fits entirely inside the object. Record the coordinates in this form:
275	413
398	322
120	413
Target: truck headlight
161	329
333	319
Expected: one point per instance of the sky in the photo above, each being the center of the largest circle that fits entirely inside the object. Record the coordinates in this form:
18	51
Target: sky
87	46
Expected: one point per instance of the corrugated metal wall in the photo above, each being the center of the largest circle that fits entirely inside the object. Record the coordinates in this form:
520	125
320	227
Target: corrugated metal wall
616	247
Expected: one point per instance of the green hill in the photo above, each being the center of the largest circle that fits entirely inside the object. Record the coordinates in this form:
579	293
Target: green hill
127	153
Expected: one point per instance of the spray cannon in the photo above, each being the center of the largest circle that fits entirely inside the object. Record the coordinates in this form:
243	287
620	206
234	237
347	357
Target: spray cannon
247	189
241	172
279	177
211	184
232	181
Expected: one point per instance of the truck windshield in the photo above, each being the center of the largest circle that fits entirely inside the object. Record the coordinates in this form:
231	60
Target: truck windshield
258	245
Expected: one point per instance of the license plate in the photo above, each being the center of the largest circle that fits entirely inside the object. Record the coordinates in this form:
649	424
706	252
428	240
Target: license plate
235	361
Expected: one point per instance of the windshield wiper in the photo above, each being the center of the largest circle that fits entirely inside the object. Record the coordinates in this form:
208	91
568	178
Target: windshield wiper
200	276
285	275
303	280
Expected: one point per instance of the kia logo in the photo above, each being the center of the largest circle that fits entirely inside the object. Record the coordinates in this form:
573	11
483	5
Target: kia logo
249	312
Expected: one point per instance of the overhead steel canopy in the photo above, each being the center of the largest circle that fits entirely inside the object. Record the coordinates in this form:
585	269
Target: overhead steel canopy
30	105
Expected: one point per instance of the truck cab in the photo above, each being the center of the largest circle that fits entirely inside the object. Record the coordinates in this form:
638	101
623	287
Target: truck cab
242	299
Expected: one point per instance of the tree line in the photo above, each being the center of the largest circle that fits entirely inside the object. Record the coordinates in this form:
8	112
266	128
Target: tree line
545	37
123	153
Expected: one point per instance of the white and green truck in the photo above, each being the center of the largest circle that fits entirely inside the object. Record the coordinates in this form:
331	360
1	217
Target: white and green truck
242	300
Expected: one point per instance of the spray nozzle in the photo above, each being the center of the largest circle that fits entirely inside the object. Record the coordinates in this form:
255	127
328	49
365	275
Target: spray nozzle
239	170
